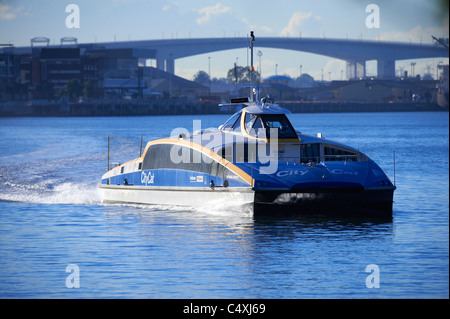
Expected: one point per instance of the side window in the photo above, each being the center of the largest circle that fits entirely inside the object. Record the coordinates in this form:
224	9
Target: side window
226	153
310	153
249	124
255	127
229	175
334	154
231	121
158	157
245	153
237	124
217	169
281	124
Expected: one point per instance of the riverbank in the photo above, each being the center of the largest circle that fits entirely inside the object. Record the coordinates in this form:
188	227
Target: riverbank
355	107
183	107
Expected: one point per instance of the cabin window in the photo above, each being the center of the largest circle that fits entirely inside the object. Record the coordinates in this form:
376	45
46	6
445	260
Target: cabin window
185	158
240	152
260	125
310	153
280	123
158	157
226	153
248	116
249	123
217	169
335	154
237	125
245	152
254	126
230	122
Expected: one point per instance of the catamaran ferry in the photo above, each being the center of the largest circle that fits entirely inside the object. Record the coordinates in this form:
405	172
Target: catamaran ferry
256	158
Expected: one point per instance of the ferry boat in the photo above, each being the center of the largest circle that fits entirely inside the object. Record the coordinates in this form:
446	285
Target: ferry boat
256	158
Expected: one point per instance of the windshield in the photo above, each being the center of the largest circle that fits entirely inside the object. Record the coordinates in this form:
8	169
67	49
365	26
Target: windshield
258	125
230	122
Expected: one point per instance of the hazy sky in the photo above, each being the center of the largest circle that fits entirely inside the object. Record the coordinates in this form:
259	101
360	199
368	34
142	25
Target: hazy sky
122	20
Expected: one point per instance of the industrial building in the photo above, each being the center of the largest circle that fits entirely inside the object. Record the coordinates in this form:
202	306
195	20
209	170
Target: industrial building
91	71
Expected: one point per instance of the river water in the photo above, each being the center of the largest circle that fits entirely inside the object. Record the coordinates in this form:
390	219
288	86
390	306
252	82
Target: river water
57	240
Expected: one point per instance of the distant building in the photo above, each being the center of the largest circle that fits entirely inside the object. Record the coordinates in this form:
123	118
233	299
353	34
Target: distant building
107	69
123	88
116	73
48	70
278	79
172	85
58	66
9	75
444	77
383	91
304	81
278	87
442	97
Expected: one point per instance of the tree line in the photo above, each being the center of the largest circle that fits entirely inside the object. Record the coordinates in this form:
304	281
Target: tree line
237	74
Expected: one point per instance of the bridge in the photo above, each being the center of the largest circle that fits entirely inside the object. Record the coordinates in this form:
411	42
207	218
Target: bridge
355	52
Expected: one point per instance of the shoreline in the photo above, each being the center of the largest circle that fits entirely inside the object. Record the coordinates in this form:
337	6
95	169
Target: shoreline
181	107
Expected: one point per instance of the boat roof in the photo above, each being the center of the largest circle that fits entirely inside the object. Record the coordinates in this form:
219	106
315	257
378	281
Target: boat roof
265	109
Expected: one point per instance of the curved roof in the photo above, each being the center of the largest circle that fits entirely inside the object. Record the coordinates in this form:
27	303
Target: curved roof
278	78
269	109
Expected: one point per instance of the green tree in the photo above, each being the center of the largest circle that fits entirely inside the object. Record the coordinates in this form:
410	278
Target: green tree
88	90
241	74
201	77
61	93
74	89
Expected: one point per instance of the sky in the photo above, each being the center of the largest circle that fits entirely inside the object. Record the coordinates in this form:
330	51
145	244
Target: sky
121	20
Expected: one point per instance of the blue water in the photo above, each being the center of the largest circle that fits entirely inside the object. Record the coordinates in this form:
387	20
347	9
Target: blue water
51	217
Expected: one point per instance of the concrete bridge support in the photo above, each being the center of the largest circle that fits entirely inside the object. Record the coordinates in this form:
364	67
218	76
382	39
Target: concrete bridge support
356	69
166	63
170	65
161	63
385	69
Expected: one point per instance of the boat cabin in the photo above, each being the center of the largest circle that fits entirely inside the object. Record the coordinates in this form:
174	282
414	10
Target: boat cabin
260	122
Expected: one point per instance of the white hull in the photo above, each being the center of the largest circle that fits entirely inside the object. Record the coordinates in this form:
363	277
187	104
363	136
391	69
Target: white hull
175	196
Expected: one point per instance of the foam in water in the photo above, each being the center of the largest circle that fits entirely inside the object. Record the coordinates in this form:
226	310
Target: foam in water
64	193
222	207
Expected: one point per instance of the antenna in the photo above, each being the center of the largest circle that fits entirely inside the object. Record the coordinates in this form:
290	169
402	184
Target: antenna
252	68
140	152
108	154
394	166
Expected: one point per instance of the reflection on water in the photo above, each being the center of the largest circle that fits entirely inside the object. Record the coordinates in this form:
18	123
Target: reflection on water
235	255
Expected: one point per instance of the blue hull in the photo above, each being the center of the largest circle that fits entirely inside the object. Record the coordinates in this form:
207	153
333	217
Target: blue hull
335	188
